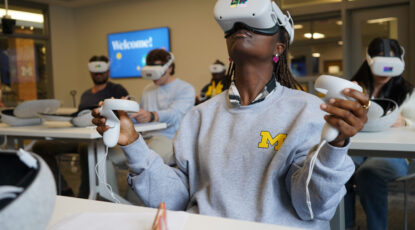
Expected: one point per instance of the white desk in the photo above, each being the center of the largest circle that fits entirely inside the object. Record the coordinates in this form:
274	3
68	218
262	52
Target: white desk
393	142
65	131
67	205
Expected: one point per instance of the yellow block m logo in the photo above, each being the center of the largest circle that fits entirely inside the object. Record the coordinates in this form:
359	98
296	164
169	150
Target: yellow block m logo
267	138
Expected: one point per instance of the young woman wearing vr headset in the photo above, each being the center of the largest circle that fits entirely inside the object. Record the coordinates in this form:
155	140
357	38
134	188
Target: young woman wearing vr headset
244	154
381	77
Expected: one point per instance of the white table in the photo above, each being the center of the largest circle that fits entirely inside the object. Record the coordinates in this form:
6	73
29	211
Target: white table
393	142
65	131
68	205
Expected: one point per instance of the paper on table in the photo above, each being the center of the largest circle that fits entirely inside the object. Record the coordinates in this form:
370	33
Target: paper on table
116	220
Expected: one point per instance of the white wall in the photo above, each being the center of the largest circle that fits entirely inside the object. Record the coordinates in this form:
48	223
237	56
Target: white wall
77	34
64	45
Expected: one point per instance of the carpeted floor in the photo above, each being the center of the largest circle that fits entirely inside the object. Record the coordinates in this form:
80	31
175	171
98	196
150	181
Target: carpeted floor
71	171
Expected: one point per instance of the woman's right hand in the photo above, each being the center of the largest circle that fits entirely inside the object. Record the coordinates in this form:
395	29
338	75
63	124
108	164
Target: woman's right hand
127	131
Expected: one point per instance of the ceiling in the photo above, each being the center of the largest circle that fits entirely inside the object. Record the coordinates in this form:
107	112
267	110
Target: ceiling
71	3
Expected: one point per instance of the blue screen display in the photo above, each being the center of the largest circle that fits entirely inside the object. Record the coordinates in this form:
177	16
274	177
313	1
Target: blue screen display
387	69
128	51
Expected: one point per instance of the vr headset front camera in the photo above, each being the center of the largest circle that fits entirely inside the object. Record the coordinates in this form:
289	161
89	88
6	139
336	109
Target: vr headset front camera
155	72
259	16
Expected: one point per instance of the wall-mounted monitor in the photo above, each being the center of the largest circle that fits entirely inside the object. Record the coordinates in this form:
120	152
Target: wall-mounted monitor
127	51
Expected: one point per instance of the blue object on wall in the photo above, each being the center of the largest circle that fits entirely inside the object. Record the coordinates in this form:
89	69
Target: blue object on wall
127	51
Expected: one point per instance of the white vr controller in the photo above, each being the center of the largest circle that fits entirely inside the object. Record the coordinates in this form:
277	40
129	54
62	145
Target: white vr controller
107	110
333	87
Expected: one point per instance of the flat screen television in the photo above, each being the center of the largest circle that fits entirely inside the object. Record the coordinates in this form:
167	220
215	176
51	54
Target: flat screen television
127	51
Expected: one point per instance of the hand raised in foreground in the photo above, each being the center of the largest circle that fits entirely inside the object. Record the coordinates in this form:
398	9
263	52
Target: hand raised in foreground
349	117
127	132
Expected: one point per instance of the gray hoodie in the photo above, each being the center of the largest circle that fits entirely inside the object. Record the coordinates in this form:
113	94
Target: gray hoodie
248	162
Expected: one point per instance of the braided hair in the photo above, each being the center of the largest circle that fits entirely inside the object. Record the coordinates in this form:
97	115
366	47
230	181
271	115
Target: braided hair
281	68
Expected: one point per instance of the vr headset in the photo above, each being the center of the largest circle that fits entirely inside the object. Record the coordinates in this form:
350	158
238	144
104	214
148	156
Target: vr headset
386	66
27	113
217	68
98	66
259	16
155	72
27	186
382	114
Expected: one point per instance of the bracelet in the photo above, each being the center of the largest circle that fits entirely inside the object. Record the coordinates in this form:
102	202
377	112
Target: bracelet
152	117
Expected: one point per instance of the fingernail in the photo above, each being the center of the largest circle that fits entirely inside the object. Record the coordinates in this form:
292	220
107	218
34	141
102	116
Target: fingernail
323	106
346	90
331	101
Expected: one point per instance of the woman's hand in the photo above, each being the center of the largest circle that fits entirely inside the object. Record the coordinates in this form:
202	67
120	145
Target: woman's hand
127	132
400	122
347	116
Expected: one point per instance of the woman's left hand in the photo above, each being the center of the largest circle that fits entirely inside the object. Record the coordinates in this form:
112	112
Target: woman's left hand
400	122
347	116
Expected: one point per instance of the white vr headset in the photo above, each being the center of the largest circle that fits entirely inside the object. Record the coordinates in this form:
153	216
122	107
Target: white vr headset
98	66
386	66
382	114
217	68
259	16
155	72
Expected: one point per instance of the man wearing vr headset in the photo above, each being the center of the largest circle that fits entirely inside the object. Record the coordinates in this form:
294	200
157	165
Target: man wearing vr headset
381	77
246	153
102	89
167	99
216	86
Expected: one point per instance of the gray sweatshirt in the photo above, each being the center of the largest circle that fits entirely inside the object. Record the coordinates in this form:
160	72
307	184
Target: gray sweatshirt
249	162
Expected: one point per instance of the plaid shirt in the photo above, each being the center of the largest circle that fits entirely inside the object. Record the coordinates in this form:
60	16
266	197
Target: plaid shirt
235	98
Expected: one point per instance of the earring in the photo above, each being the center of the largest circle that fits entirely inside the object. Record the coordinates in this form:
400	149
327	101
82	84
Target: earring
230	60
276	58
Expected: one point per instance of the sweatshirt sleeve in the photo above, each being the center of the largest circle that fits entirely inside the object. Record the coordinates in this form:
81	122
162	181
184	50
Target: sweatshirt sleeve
182	103
332	169
153	181
407	109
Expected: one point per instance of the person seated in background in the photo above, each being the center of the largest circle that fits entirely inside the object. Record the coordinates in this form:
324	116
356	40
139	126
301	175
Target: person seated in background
217	85
246	153
102	89
166	100
373	173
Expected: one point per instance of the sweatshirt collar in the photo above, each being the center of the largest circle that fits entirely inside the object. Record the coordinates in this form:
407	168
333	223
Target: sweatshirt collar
235	98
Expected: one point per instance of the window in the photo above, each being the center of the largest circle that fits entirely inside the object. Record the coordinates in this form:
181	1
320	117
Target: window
318	48
298	3
24	56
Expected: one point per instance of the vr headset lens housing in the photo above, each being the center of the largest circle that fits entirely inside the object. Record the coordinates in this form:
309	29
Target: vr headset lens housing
386	66
261	16
217	68
155	72
98	66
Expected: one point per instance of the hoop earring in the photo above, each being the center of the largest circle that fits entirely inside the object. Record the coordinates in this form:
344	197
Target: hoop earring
276	58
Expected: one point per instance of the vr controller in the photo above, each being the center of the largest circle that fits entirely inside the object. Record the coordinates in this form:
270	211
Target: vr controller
155	72
332	87
107	110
